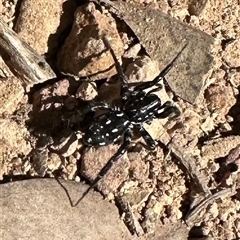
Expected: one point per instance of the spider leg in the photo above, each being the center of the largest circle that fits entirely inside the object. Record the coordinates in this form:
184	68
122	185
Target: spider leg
166	110
123	148
156	80
159	87
125	87
146	136
148	84
97	105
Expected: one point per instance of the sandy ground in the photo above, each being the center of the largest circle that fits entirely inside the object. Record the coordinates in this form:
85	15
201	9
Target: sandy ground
38	128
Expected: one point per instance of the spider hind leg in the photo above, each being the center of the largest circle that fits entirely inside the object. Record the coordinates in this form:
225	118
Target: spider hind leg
123	148
146	136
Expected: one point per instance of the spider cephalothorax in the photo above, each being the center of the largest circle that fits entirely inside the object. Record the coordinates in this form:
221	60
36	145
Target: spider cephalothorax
138	107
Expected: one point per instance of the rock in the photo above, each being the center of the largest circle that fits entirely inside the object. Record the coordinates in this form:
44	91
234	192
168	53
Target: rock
11	93
41	29
40	160
47	103
65	144
142	69
220	98
43	160
87	91
196	7
220	147
93	160
13	137
70	170
40	209
83	53
110	93
133	51
13	142
163	37
231	54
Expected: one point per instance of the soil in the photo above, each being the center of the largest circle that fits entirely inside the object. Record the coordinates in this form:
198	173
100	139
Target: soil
191	178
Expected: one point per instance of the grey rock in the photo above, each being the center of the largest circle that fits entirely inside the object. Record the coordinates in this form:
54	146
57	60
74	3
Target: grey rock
40	209
163	37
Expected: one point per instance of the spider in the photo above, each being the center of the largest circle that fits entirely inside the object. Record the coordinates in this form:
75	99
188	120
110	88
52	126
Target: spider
138	107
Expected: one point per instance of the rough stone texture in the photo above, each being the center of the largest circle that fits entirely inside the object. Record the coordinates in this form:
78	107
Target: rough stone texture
196	7
40	209
40	161
87	91
142	69
220	147
40	29
133	51
83	53
48	103
93	160
157	172
13	141
221	98
163	37
13	136
11	93
66	144
7	11
231	54
110	93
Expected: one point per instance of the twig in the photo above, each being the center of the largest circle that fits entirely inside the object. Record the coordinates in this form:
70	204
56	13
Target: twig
22	60
194	213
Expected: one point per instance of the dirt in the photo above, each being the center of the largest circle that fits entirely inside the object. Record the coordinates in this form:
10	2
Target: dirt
190	179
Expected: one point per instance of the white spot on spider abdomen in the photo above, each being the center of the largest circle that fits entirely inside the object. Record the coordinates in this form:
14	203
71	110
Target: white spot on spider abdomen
107	128
119	114
114	130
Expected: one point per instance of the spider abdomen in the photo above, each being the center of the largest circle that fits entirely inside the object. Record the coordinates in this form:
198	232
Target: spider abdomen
106	128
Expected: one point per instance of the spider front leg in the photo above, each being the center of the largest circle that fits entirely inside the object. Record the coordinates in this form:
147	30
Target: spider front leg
149	84
123	148
92	107
160	77
125	87
166	110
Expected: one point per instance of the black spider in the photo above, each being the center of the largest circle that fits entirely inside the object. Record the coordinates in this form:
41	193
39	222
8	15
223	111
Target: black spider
138	107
